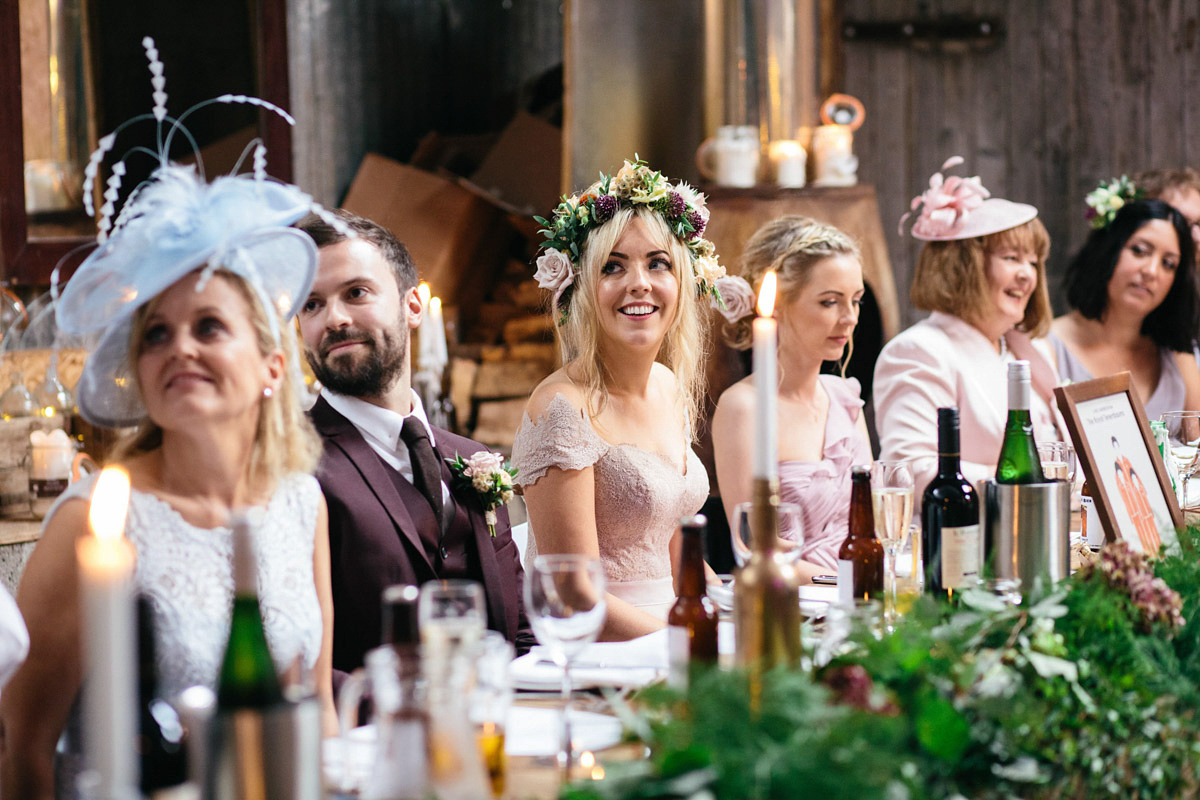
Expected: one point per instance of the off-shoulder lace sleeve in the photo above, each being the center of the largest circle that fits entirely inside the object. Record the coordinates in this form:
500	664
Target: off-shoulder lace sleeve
561	438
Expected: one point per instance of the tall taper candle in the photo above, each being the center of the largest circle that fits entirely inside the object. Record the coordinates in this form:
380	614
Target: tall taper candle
110	697
766	434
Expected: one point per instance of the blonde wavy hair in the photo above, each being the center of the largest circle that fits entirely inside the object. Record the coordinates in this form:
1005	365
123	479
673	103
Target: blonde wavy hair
285	440
791	245
686	345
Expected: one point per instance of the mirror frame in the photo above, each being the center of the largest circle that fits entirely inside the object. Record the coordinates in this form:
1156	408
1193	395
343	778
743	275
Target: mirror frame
30	261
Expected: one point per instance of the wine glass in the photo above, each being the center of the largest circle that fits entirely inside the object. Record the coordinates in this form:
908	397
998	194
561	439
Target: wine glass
1183	431
791	531
451	617
566	604
892	503
1058	461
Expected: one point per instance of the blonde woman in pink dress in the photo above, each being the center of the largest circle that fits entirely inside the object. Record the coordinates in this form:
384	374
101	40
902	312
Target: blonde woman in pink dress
821	428
604	453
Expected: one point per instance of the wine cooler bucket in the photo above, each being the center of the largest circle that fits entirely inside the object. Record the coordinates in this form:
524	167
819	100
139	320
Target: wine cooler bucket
1026	530
266	754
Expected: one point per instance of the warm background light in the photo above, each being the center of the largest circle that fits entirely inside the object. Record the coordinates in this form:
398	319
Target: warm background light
110	503
424	292
766	294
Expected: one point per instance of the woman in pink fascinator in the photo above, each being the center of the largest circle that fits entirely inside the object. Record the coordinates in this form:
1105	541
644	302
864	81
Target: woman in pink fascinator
982	276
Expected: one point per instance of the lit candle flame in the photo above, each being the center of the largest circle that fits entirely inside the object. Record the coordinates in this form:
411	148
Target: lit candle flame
435	305
587	759
766	294
110	503
424	292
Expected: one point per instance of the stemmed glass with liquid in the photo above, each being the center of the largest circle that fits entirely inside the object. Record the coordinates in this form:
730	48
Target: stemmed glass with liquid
892	504
1183	431
566	604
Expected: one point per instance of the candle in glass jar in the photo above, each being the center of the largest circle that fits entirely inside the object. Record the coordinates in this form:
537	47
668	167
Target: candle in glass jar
766	439
790	161
833	156
106	583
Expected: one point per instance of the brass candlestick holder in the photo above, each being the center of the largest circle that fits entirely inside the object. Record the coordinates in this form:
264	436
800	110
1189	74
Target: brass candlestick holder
766	593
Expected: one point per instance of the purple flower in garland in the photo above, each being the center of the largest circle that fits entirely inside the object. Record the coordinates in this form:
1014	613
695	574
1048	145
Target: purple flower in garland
603	207
698	223
676	205
1131	572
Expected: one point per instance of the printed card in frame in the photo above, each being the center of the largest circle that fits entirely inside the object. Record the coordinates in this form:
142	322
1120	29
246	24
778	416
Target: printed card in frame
1116	449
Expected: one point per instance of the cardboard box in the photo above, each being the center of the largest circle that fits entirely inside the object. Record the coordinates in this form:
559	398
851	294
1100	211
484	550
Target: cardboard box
456	238
522	173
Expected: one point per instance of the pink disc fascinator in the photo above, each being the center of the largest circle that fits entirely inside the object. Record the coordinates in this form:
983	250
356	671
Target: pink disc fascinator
961	208
173	223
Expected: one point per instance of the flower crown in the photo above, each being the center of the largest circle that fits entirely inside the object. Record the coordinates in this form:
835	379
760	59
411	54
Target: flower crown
634	185
1108	198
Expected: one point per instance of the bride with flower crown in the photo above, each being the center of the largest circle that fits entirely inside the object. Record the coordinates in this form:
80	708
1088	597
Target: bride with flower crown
604	453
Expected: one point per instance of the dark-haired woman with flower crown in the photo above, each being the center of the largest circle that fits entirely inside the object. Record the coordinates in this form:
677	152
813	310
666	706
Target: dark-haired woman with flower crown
1132	294
604	453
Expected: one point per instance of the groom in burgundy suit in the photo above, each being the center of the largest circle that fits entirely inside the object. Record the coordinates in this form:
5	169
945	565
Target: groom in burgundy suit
393	517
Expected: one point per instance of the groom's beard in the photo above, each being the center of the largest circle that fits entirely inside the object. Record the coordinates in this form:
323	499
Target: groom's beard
360	374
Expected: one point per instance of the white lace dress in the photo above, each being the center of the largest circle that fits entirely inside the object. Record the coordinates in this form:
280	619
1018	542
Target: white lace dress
187	572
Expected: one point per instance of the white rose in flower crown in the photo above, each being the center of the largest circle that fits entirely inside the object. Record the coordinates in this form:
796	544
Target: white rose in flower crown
554	270
709	270
738	296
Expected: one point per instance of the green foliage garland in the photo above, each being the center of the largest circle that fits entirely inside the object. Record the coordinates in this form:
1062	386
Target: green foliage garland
1074	694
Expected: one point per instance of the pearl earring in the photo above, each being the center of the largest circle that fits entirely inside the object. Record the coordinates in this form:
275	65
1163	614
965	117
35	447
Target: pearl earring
268	391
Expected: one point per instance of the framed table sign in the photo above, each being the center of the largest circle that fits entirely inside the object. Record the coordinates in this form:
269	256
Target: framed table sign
1130	486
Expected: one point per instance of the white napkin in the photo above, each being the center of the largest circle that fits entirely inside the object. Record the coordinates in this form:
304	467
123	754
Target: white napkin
536	731
638	662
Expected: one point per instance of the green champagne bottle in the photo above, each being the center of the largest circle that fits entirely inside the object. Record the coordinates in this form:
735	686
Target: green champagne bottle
248	678
1019	461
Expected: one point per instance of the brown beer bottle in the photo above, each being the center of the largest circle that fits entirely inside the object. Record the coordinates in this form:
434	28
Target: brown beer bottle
860	560
692	622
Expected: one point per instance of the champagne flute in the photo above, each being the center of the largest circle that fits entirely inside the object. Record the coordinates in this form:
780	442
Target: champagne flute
566	604
791	531
892	503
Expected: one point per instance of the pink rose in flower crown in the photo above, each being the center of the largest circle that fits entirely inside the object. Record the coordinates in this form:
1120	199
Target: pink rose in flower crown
485	473
738	296
554	272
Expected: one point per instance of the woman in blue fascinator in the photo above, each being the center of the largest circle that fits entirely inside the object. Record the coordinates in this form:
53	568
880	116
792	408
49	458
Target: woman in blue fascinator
190	291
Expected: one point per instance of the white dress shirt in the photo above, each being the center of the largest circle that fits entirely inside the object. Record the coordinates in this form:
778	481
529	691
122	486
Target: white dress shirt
945	361
380	427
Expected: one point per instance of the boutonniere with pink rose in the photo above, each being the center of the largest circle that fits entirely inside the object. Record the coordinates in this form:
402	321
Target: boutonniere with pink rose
485	473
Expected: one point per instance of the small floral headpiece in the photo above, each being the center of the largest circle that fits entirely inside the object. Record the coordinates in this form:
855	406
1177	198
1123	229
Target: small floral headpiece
1108	198
634	185
957	208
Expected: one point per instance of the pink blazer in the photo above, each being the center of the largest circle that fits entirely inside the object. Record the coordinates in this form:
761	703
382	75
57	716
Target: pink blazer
945	361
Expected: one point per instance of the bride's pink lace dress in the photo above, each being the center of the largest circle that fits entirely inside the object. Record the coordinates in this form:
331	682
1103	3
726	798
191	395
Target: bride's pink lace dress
640	496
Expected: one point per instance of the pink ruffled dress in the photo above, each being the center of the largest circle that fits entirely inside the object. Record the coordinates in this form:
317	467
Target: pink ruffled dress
822	488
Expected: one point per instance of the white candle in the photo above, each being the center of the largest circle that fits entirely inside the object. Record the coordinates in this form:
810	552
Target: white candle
833	155
439	350
424	336
766	439
790	161
106	571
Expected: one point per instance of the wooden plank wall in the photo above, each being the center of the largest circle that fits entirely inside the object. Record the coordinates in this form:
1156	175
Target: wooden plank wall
377	75
1078	91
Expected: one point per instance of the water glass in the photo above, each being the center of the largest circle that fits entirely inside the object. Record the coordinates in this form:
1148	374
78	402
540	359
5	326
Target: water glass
452	617
490	701
892	504
1183	431
791	531
566	604
1058	461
